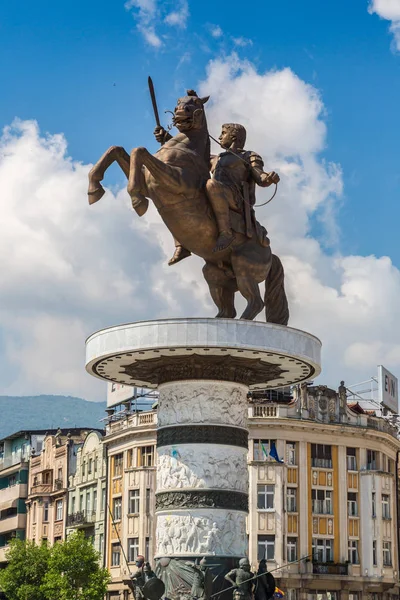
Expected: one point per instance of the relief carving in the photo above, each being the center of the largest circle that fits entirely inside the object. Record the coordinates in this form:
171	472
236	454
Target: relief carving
221	533
193	466
202	499
196	402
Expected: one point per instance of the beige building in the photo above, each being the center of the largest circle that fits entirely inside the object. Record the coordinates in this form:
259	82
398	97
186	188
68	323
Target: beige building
331	501
48	484
130	525
87	491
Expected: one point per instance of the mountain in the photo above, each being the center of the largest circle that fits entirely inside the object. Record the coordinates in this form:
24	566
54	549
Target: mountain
48	412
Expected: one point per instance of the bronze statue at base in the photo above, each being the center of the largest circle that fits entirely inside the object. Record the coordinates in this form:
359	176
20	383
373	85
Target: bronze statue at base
210	216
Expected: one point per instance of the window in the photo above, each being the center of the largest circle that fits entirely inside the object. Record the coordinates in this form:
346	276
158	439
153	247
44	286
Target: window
147	549
373	504
83	469
352	507
133	549
145	456
371	460
261	449
322	550
353	552
321	502
46	511
117	509
115	555
265	497
323	595
351	459
35	480
266	547
59	510
60	474
94	500
103	499
34	512
291	594
321	456
353	595
291	500
12	480
88	504
385	506
134	501
118	464
81	503
387	554
291	549
90	466
129	458
101	543
374	553
72	504
147	501
291	453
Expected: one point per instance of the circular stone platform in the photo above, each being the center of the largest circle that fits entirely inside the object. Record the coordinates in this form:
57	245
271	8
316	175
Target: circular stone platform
149	353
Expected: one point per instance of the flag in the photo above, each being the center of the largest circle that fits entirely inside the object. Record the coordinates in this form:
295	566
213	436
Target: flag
274	453
264	450
278	593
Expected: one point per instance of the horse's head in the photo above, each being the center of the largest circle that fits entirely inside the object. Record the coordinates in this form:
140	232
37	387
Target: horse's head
189	112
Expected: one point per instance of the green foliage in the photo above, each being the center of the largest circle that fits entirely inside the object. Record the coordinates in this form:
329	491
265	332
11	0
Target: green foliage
69	570
23	578
74	571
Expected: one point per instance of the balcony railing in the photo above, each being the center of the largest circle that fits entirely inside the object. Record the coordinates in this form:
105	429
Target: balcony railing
330	568
83	517
42	488
15	459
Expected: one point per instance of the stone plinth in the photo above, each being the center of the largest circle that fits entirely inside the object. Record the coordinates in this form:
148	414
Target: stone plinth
203	369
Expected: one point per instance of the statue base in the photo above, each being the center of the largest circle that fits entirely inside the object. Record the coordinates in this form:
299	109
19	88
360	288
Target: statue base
203	369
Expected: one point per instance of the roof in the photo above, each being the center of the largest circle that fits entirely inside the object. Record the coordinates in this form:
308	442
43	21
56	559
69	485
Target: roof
29	432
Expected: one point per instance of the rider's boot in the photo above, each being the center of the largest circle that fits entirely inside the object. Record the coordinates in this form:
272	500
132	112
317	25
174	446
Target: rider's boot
180	253
224	240
226	235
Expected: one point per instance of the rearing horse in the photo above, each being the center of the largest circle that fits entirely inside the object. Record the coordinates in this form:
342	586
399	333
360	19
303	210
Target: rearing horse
175	180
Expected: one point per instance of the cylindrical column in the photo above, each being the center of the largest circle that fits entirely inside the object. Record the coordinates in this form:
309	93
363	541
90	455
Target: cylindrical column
202	478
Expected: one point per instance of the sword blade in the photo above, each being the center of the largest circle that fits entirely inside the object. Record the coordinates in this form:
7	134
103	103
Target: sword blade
154	101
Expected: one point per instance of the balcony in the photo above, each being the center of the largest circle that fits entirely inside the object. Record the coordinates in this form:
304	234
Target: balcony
330	568
13	523
268	411
121	421
3	552
41	488
20	490
81	518
15	459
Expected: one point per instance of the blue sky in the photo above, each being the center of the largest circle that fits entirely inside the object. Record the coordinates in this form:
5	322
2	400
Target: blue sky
80	69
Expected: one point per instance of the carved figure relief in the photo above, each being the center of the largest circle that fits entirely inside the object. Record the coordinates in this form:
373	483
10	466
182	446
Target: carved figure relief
221	533
196	466
199	402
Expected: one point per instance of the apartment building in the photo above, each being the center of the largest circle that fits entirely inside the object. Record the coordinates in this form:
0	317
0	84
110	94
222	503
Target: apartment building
15	451
332	499
87	491
130	524
49	472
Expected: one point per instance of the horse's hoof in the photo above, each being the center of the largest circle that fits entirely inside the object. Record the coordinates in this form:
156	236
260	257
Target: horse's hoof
179	254
141	206
96	194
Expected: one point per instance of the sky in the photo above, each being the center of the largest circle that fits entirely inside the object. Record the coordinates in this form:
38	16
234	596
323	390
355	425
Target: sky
317	86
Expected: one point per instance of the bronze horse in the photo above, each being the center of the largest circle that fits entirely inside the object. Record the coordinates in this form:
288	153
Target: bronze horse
175	180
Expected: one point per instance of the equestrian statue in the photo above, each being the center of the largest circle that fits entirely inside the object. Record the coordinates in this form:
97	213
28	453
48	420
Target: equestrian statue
207	203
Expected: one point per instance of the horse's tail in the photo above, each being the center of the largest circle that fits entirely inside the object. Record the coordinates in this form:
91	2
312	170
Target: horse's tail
276	304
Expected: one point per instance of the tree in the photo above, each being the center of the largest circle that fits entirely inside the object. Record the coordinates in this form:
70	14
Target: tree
24	575
74	571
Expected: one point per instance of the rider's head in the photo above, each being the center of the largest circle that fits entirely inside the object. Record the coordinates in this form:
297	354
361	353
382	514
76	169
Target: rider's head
233	133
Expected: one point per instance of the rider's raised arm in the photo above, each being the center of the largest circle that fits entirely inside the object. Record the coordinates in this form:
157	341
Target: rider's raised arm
162	135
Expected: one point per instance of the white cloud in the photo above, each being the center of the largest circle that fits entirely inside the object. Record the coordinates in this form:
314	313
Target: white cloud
216	31
242	42
67	269
390	11
179	16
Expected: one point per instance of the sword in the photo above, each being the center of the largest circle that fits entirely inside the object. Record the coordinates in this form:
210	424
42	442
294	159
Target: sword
154	101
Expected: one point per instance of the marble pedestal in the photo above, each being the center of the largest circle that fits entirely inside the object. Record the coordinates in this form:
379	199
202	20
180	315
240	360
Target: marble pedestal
203	369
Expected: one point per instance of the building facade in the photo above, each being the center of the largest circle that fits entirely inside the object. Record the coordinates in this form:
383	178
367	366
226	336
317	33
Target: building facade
49	472
130	524
327	495
15	451
87	491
